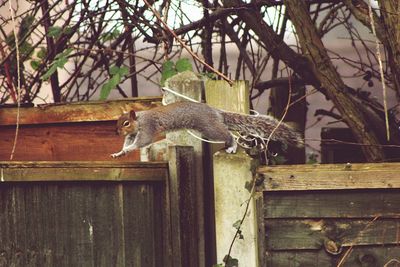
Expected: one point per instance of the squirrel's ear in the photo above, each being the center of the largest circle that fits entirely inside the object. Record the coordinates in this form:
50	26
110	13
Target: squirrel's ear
132	114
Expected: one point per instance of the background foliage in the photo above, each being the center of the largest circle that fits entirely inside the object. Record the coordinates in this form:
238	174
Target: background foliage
85	49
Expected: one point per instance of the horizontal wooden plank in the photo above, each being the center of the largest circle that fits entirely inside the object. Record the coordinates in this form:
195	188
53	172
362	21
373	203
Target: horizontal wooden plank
81	164
333	204
64	141
76	112
331	176
283	234
81	171
360	256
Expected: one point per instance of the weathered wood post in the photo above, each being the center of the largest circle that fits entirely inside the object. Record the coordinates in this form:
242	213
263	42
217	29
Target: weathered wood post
188	84
231	171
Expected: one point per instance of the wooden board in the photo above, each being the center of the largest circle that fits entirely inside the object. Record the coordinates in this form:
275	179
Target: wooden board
330	176
81	224
76	111
333	204
63	142
359	257
82	171
295	234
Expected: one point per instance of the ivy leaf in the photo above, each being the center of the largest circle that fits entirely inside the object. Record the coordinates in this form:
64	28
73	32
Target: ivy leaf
54	31
183	64
218	265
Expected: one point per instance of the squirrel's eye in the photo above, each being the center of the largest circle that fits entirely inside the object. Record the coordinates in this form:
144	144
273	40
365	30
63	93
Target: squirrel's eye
126	124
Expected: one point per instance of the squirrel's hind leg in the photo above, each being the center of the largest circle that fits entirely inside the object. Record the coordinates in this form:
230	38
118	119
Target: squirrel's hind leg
219	132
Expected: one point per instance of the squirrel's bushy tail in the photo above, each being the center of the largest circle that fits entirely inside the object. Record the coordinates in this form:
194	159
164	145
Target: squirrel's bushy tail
262	126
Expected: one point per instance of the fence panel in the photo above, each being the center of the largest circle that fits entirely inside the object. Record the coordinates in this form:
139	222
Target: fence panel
83	214
331	215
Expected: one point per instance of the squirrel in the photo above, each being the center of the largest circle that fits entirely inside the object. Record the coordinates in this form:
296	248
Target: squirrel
141	128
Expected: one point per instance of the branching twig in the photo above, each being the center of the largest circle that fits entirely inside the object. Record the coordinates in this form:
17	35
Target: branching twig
182	43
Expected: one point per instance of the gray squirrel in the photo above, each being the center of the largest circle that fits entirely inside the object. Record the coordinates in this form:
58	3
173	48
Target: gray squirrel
141	128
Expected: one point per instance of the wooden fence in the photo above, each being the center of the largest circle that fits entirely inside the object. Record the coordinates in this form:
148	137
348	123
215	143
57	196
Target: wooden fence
65	202
330	215
98	213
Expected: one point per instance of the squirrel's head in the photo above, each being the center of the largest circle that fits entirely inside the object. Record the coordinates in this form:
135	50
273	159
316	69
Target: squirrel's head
127	124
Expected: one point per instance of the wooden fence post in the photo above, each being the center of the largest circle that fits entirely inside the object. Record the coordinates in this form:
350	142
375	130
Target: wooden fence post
188	84
231	171
181	188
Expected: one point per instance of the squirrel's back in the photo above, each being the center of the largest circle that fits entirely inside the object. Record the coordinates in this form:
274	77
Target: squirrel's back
204	118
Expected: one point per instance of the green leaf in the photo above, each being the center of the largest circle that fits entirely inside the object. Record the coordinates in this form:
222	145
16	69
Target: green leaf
54	31
218	265
231	262
108	36
35	64
248	185
167	74
49	72
68	30
64	53
26	50
61	62
168	65
114	70
123	71
109	85
183	64
42	53
237	224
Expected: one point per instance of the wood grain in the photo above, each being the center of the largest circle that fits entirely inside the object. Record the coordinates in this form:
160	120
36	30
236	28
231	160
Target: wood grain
76	111
81	224
63	142
332	204
331	176
82	171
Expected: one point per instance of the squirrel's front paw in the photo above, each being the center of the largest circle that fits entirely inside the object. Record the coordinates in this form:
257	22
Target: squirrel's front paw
117	155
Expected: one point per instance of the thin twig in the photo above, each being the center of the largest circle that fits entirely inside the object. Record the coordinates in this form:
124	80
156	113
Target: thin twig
378	54
18	80
284	112
242	220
